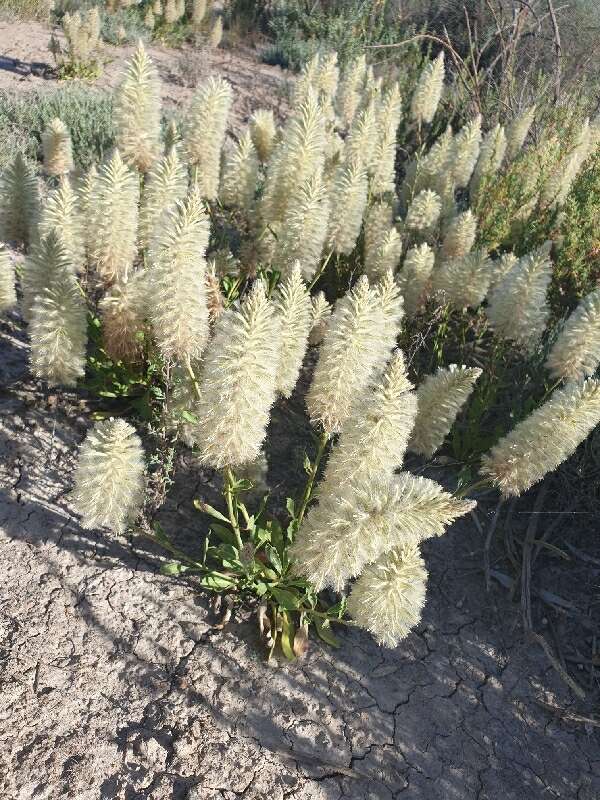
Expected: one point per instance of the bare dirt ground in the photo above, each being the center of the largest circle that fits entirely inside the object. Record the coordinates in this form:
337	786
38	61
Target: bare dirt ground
114	685
25	60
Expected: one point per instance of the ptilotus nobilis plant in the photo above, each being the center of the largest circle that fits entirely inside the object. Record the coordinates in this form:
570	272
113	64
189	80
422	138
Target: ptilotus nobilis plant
203	274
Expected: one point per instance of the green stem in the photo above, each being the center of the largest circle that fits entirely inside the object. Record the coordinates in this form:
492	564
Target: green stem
320	271
188	366
477	485
308	490
175	551
233	520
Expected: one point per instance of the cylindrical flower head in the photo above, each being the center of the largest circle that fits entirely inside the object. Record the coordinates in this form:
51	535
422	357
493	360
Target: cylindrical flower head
19	202
464	281
61	213
465	152
387	256
517	131
349	90
304	228
123	310
137	111
424	211
238	383
501	267
388	598
361	144
517	307
294	309
204	133
178	309
460	236
319	318
373	441
8	294
389	114
440	398
58	325
263	131
429	171
576	352
198	11
109	477
428	91
379	218
165	185
415	277
149	18
558	185
348	200
57	148
544	439
352	349
392	305
240	174
113	219
171	11
491	156
216	32
344	533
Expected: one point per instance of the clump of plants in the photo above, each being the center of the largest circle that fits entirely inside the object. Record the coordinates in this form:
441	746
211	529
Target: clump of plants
187	276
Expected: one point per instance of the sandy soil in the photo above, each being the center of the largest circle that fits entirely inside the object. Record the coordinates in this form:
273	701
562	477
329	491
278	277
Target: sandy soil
25	65
114	685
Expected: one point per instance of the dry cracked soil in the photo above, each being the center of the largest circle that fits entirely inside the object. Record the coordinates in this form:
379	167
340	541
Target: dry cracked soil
115	684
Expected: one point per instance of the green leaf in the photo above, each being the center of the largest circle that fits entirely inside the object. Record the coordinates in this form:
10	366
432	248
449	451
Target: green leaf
291	507
225	534
287	636
273	557
173	568
260	588
285	598
216	582
208	509
189	417
261	535
307	465
324	632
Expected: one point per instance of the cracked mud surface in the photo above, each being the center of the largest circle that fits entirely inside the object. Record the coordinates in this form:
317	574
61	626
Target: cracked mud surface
113	685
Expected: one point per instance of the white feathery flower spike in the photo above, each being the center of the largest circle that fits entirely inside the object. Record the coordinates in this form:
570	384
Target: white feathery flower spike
58	324
239	383
387	256
465	152
113	219
576	352
389	114
204	133
123	309
109	477
349	90
293	305
544	439
388	598
415	277
19	202
440	398
178	310
429	171
351	351
302	235
502	266
57	148
460	236
343	533
263	131
8	294
517	309
517	131
61	214
349	199
165	184
392	304
373	441
240	173
361	144
428	91
491	156
559	183
424	211
320	314
379	218
464	281
137	111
